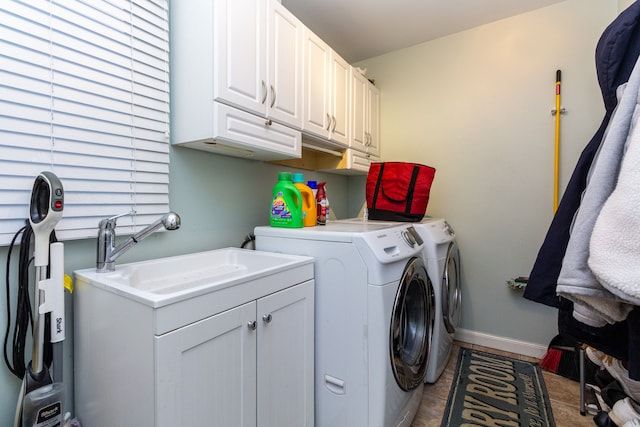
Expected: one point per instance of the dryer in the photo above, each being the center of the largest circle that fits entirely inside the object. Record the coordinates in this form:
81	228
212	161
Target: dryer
442	258
374	318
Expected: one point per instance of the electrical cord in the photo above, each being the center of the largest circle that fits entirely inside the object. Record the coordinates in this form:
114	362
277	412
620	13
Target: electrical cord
23	314
18	336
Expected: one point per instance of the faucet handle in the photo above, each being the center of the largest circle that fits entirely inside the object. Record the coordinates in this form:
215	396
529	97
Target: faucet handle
110	223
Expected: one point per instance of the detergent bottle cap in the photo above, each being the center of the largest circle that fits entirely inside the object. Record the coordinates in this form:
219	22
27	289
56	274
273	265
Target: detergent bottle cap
298	177
312	185
285	176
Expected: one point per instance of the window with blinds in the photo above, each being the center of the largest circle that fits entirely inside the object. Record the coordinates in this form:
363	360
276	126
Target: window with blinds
84	93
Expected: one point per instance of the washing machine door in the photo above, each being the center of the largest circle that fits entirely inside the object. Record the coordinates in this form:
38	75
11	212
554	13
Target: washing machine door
412	321
451	295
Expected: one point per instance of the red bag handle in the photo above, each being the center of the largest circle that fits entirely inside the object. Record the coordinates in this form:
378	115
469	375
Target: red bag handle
409	198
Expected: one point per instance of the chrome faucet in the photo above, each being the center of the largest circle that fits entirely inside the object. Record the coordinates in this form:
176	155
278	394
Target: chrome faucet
107	250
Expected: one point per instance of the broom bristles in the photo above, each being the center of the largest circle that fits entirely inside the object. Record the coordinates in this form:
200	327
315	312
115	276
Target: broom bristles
562	357
551	360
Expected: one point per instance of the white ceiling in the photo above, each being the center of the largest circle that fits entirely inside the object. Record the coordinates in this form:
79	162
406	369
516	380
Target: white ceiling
361	29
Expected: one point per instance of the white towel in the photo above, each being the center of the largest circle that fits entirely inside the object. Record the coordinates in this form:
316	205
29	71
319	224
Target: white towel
614	255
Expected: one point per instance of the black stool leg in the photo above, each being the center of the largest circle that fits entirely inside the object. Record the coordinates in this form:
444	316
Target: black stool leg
583	410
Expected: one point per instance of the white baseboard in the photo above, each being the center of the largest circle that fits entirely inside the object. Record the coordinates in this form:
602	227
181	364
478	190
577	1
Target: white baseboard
501	343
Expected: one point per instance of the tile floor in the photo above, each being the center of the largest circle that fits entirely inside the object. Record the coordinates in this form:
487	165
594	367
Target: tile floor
564	395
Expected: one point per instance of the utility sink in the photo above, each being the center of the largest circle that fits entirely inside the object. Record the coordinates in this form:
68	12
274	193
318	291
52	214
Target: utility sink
164	281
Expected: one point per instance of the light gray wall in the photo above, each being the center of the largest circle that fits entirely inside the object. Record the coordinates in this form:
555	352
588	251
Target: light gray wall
623	4
477	106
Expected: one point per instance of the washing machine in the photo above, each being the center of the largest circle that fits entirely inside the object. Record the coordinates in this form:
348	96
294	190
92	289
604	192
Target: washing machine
442	258
374	319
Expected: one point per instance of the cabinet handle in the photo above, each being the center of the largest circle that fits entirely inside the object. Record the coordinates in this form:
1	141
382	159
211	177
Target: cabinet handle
264	92
268	122
328	121
273	96
251	324
267	318
335	122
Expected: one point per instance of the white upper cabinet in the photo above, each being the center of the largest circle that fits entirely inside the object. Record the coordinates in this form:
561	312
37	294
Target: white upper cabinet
359	89
326	91
365	101
316	82
284	66
244	55
340	101
248	79
259	57
373	123
239	53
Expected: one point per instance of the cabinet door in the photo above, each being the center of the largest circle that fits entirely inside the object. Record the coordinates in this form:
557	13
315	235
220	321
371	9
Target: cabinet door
206	372
284	63
359	161
340	100
316	117
359	111
239	61
252	135
373	115
285	358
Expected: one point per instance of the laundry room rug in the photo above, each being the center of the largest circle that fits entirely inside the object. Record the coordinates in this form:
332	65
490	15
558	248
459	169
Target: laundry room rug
489	389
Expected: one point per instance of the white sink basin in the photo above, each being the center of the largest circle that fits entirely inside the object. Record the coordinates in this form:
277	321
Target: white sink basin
164	281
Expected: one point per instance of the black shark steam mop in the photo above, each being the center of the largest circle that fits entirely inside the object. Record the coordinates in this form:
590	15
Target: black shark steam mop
41	400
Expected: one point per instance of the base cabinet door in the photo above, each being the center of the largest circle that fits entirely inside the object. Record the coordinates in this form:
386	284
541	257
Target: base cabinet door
250	366
206	372
285	358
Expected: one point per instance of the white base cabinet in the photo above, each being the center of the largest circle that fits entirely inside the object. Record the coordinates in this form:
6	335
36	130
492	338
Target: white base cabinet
244	367
249	365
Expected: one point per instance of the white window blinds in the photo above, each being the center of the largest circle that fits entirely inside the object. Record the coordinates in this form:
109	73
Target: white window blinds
84	93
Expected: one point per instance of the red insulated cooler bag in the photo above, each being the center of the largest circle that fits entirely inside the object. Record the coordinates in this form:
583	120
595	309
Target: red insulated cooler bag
398	191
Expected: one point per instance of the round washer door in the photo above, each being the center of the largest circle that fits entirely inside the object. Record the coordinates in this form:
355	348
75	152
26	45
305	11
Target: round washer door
451	294
412	321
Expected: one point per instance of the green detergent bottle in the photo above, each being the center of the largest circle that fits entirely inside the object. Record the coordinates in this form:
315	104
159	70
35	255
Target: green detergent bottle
286	204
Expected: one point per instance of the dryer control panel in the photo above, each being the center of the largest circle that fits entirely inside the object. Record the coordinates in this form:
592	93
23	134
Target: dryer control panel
412	237
391	244
438	231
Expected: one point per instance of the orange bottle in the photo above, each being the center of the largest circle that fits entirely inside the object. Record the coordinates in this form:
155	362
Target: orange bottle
308	200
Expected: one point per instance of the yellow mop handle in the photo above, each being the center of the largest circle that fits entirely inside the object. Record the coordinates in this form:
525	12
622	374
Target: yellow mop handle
557	144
